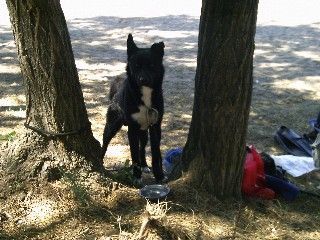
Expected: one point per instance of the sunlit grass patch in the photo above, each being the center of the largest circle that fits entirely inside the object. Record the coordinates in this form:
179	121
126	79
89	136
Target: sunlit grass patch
8	137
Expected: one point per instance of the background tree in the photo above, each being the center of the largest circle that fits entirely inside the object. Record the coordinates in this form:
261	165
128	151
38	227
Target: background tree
215	149
59	133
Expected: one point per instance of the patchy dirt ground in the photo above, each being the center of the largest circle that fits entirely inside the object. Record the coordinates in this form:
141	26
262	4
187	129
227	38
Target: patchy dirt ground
286	92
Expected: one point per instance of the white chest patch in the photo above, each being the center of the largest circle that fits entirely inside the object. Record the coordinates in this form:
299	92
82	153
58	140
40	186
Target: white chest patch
143	116
146	96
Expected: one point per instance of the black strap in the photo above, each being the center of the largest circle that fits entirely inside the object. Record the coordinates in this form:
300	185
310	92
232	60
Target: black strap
53	134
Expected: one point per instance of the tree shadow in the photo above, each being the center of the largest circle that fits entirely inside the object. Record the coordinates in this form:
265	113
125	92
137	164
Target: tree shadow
94	212
286	82
100	50
285	58
286	71
285	90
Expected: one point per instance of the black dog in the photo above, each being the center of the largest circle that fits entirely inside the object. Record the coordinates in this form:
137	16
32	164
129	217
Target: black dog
137	101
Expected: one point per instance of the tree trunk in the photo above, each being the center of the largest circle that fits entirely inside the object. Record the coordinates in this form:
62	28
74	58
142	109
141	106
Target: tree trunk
59	133
215	149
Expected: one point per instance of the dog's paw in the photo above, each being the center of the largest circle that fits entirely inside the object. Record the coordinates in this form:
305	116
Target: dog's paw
164	180
137	182
146	169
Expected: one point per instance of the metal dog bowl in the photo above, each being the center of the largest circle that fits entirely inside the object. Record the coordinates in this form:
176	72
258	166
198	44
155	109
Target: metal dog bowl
155	191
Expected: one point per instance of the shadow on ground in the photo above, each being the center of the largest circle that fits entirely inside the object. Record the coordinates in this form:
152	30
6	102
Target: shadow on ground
286	87
286	72
286	81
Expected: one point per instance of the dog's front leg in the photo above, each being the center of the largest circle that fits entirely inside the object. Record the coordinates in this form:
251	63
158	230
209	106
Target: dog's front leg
133	136
143	138
155	138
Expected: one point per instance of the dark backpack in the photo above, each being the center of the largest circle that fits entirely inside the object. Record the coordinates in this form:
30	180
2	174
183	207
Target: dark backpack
270	167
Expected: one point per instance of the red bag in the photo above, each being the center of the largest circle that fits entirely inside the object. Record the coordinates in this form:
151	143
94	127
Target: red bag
253	182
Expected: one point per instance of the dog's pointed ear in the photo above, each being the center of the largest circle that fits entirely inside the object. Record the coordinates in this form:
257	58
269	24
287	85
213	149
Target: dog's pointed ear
131	46
158	49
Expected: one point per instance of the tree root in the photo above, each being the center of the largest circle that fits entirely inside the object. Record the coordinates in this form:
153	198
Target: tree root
33	157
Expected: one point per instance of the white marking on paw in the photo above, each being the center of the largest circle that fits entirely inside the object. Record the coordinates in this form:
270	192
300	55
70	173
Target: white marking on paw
146	169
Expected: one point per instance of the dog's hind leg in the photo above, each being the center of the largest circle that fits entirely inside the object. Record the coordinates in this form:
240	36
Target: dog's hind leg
113	125
143	142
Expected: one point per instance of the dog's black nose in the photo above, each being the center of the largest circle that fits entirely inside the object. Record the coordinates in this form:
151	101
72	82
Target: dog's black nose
143	80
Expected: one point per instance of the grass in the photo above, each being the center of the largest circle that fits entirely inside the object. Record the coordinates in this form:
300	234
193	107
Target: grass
80	192
277	100
8	137
123	174
87	213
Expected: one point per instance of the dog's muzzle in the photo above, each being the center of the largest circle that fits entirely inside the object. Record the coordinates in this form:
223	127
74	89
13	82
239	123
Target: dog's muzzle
144	81
144	78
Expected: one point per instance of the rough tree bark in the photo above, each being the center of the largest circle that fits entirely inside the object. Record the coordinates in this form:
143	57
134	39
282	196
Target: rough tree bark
54	100
215	149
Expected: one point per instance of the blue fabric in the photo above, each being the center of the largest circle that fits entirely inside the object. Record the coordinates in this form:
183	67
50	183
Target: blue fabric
314	123
287	190
168	163
172	153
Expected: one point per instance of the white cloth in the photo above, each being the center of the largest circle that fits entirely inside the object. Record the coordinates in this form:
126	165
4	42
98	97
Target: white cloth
295	166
